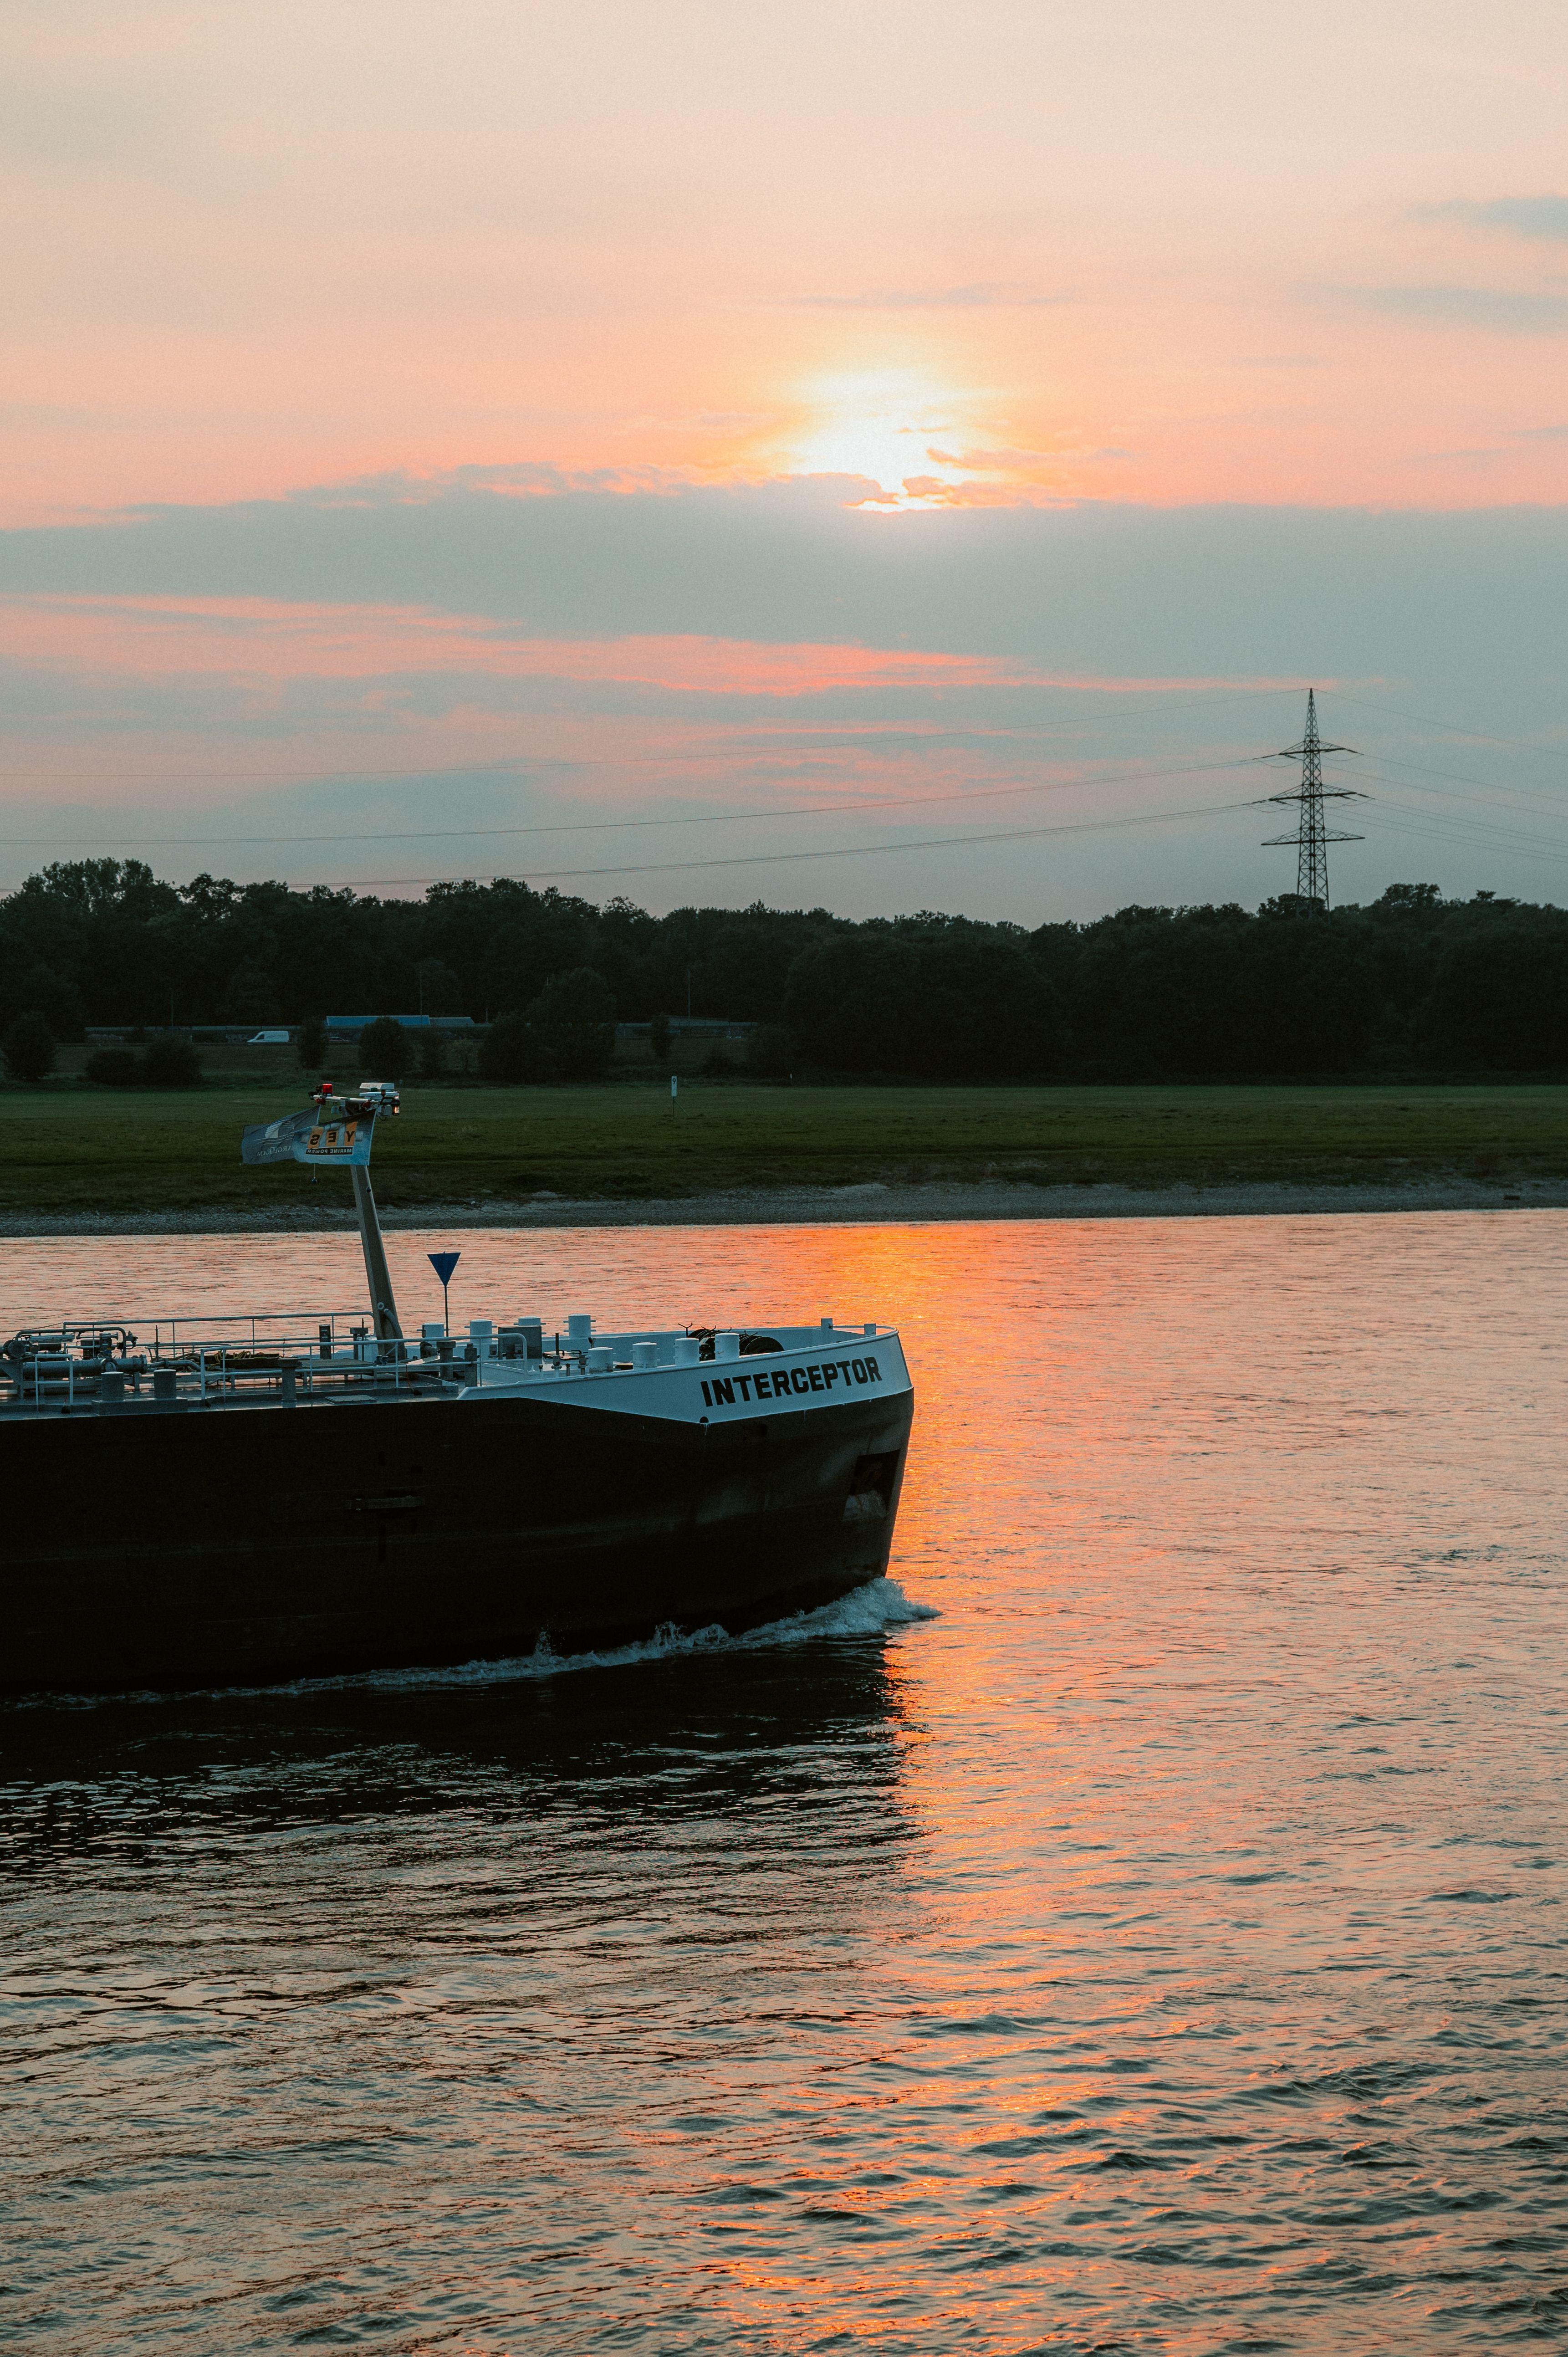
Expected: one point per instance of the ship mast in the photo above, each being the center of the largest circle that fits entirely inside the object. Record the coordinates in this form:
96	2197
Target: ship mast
384	1308
341	1130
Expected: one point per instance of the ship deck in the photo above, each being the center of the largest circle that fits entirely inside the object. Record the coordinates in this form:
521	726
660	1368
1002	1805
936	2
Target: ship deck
106	1368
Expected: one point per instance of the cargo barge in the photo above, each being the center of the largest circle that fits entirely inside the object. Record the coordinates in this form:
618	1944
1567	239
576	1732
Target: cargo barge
250	1501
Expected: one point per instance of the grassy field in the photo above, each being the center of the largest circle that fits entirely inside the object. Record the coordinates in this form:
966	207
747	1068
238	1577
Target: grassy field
68	1150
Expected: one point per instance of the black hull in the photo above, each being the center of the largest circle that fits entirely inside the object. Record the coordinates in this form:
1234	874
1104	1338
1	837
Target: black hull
251	1545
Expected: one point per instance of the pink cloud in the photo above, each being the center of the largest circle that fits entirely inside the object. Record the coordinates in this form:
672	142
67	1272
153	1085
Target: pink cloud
273	639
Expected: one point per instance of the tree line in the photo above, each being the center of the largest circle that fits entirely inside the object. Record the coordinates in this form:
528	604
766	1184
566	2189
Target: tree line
1410	982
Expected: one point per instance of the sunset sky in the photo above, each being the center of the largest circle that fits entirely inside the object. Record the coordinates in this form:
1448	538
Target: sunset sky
653	447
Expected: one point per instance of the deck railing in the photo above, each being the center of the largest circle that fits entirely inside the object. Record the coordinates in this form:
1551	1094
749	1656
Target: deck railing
293	1353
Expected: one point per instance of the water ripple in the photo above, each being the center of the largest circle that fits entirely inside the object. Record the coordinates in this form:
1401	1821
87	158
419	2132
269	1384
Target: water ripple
1160	1951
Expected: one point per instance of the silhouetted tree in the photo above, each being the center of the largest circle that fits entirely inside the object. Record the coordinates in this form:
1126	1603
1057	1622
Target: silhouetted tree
925	994
251	997
1498	999
440	992
508	1053
310	1044
43	990
385	1053
769	1052
1473	985
28	1048
572	1022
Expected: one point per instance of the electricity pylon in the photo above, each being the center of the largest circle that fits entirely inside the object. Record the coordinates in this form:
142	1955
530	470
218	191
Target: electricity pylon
1313	838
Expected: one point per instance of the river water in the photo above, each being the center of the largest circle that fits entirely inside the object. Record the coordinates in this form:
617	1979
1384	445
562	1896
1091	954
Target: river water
1159	1948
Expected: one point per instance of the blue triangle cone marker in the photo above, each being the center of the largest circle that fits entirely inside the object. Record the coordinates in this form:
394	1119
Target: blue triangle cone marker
443	1263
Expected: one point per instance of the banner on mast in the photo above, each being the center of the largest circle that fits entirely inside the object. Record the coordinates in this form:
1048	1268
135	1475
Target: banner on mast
337	1137
274	1140
326	1133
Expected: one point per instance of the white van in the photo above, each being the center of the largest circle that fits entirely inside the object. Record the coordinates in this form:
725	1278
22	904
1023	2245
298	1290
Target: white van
268	1039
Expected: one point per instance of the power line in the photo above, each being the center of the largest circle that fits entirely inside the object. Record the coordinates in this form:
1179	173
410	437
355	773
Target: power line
1516	841
1468	843
1510	839
848	851
613	825
1428	720
1487	785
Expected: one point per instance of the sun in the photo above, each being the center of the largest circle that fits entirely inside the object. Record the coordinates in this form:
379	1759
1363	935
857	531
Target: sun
887	426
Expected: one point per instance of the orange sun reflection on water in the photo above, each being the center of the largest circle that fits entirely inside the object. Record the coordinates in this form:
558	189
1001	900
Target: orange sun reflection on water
1096	1963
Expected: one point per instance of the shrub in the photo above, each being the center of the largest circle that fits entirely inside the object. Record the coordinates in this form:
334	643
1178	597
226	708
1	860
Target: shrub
431	1054
29	1049
573	1024
310	1044
506	1051
659	1039
385	1052
769	1052
171	1064
113	1067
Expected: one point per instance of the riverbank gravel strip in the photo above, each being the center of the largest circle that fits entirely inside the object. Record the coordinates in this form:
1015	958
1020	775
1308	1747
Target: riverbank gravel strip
868	1204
